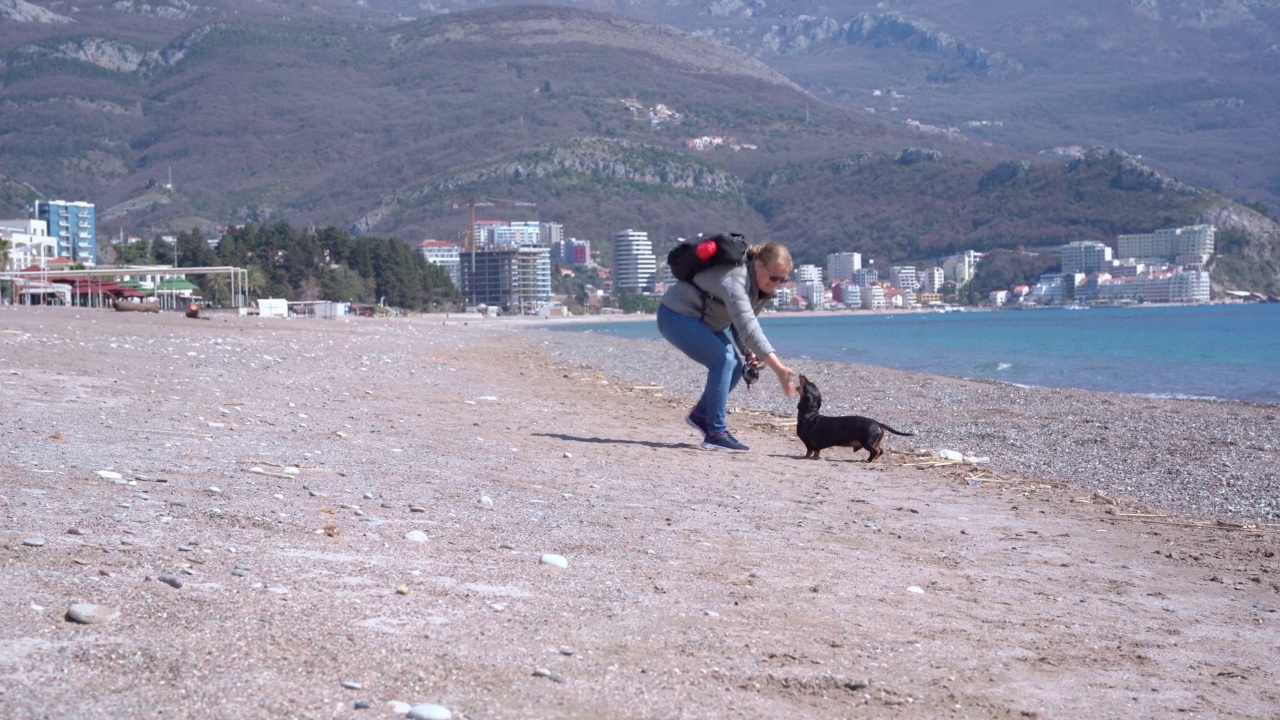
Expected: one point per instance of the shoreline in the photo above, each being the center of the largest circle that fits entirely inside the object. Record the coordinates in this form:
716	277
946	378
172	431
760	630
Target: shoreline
1251	391
1221	465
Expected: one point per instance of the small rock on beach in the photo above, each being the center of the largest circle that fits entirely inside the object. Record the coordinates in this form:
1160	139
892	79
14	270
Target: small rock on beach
90	614
428	711
556	560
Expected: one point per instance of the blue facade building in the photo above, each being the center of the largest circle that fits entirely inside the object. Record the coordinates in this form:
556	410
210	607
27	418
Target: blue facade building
74	224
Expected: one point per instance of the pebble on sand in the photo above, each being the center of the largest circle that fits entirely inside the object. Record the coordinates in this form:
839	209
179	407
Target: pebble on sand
172	581
428	711
90	614
416	536
33	542
557	560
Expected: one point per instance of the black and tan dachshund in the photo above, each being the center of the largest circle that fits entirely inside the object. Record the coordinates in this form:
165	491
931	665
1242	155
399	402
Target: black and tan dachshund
819	432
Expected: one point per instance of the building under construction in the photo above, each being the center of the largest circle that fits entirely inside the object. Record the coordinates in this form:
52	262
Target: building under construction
517	280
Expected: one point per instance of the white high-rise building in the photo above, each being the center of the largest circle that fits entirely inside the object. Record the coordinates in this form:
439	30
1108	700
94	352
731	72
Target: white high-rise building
873	297
813	292
634	265
29	243
1086	256
808	273
517	234
444	254
841	265
904	277
959	268
932	279
1189	245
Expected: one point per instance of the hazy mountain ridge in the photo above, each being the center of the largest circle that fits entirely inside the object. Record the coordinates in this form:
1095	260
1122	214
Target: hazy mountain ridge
574	166
1031	73
385	125
884	29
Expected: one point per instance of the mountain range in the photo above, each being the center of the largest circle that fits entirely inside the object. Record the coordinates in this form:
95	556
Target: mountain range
898	129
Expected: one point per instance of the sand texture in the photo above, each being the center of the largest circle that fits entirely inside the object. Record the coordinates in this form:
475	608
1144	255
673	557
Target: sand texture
247	518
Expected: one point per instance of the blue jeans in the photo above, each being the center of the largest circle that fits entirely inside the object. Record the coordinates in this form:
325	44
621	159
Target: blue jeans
713	350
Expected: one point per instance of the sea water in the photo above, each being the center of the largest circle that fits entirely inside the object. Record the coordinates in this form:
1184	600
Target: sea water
1228	352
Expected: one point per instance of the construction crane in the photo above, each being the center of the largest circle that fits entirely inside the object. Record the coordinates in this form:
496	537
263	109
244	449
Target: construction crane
469	237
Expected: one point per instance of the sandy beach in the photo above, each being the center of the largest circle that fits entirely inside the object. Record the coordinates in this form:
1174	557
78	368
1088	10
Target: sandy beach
374	518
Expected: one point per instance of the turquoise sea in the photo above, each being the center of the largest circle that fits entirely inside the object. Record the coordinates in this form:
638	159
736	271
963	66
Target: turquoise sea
1228	352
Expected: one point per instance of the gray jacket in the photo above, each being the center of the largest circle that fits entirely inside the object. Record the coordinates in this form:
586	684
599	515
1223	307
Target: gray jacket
732	299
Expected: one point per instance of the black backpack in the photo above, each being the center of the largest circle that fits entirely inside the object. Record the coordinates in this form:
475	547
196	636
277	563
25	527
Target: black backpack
693	256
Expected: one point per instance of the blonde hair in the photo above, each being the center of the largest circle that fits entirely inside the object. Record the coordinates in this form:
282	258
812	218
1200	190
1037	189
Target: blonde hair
771	254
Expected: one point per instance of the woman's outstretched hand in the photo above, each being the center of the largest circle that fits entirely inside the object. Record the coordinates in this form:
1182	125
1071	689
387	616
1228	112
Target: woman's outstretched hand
786	376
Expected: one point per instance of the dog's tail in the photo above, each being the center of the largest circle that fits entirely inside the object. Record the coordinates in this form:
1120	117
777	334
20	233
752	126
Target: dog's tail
896	432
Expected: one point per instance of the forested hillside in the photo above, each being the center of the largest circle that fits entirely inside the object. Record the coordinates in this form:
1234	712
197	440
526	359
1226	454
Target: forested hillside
283	261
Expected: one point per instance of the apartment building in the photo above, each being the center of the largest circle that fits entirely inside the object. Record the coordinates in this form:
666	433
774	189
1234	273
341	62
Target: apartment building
807	273
73	225
931	279
444	254
634	265
865	277
841	265
959	268
1086	256
29	243
572	251
551	233
814	292
873	298
1191	245
905	277
1177	286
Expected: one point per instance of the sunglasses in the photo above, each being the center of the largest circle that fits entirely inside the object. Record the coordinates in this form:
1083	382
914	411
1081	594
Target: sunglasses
777	278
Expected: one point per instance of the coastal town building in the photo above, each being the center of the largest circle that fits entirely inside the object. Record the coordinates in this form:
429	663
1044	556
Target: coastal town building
899	299
1057	288
813	292
873	297
446	255
846	293
959	268
1168	286
932	279
1191	245
517	280
1087	256
634	265
807	273
572	251
865	277
841	265
73	226
904	276
551	233
515	234
30	243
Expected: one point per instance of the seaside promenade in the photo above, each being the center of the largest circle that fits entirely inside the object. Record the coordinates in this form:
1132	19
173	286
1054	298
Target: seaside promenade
345	519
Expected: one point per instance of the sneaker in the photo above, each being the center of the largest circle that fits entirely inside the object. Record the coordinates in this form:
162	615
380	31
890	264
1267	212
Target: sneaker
723	441
697	422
